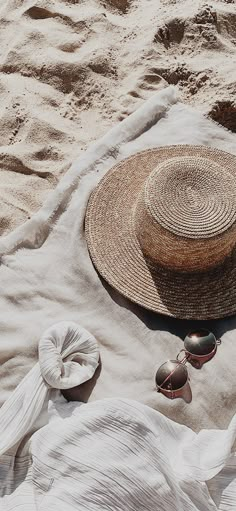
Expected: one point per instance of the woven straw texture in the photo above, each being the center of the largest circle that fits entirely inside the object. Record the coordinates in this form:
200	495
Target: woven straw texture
161	229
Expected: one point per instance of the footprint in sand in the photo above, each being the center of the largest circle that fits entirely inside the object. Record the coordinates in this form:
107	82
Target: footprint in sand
141	89
224	112
39	13
120	5
172	32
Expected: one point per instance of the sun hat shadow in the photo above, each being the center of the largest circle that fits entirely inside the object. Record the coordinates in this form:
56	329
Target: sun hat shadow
175	326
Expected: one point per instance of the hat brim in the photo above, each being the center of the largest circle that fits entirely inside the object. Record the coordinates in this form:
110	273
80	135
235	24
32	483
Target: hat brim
116	253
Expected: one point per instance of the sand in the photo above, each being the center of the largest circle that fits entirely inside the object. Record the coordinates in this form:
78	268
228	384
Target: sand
70	70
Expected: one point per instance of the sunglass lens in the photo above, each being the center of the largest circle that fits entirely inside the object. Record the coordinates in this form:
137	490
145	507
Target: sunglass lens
200	342
171	376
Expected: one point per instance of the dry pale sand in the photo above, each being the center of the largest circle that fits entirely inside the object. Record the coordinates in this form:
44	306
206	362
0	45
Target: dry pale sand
69	70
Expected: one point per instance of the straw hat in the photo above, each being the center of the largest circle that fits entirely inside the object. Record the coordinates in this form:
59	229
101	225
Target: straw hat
161	229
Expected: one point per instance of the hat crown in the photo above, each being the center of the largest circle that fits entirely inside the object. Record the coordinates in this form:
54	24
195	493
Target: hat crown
185	215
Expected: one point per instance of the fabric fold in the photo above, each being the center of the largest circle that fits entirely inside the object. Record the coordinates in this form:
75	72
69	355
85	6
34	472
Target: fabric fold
68	356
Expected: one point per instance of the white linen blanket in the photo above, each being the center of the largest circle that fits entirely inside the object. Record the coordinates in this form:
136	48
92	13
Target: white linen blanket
112	454
46	275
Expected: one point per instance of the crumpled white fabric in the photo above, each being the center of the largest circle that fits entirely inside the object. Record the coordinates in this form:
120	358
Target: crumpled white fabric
119	454
68	356
111	454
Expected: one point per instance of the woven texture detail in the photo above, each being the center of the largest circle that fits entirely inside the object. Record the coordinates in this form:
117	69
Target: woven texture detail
184	218
191	198
160	229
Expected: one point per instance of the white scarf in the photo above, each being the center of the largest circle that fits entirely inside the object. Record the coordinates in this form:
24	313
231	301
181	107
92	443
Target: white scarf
68	356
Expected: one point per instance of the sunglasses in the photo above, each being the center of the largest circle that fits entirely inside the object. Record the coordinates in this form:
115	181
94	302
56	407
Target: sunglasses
199	347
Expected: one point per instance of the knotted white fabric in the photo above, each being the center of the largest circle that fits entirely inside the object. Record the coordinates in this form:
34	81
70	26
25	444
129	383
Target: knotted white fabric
68	356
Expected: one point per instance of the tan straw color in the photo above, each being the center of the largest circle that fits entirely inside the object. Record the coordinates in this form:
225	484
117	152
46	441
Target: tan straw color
161	229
